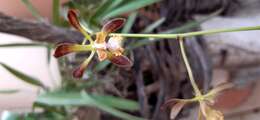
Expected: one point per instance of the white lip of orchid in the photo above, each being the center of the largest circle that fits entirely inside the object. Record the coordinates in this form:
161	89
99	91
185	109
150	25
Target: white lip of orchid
114	42
100	45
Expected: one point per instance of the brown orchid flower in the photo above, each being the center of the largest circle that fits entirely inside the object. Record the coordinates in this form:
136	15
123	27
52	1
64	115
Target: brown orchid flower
106	50
206	111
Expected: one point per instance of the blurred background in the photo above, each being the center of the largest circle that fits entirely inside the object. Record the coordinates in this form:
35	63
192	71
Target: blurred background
30	29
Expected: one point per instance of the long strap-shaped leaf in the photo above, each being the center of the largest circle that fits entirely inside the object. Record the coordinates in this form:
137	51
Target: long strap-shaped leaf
108	104
130	6
23	77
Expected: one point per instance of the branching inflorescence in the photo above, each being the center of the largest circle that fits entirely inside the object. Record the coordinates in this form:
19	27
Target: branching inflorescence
113	51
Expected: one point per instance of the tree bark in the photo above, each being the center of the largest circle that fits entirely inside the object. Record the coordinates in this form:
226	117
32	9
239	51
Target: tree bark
37	31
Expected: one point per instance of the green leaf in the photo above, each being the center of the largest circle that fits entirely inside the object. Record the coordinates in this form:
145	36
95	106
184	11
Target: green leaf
74	98
100	11
29	116
48	48
23	77
63	99
114	4
116	102
56	12
8	91
22	45
105	103
154	25
129	23
101	65
86	26
140	43
191	24
33	10
109	109
6	115
103	9
48	108
128	7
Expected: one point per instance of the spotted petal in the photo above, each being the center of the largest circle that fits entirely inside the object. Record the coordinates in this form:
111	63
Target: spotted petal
113	25
66	48
121	61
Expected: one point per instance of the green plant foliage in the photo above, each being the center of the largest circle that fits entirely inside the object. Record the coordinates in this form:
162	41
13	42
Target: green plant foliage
8	91
105	103
63	99
48	50
75	98
58	104
56	12
154	25
115	102
110	109
23	45
50	109
128	7
130	22
6	115
101	65
23	77
101	10
33	10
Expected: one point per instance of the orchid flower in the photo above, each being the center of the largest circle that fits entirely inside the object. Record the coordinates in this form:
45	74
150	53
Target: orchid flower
206	111
106	50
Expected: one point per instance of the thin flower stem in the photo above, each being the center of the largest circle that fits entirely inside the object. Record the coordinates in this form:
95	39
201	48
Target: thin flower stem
188	67
189	34
87	37
84	41
90	56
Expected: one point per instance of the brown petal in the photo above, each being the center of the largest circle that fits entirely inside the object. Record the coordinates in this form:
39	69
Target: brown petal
121	61
113	25
176	106
175	110
173	101
73	19
78	72
66	48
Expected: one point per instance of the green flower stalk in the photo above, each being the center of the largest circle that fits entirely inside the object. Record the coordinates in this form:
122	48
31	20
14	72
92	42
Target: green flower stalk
188	67
189	34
